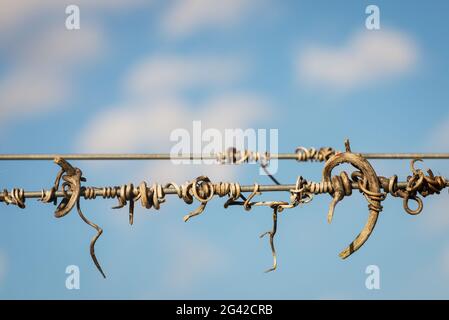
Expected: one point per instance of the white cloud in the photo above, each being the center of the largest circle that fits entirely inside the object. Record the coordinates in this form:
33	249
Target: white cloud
19	14
25	91
15	14
155	105
39	77
185	17
162	75
41	56
368	57
147	125
57	46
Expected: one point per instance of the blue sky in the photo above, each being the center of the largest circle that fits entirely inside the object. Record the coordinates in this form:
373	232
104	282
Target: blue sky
136	70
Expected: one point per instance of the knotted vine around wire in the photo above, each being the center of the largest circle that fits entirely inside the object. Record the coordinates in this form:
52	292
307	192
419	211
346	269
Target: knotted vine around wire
364	178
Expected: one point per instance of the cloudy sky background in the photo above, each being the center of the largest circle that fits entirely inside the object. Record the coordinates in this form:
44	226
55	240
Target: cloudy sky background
138	69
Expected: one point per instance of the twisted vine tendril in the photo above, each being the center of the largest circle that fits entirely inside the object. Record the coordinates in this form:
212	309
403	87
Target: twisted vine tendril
272	233
375	189
16	197
311	154
233	156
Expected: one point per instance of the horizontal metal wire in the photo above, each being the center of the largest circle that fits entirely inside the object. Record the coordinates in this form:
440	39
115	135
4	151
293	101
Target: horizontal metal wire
170	190
167	156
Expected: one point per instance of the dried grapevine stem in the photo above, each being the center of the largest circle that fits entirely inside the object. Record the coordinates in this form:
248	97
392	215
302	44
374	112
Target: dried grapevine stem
202	190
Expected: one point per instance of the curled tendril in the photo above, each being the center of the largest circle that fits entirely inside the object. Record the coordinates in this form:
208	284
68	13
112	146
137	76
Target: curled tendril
247	203
16	197
417	184
94	239
72	183
272	234
374	188
203	191
371	192
233	156
311	154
